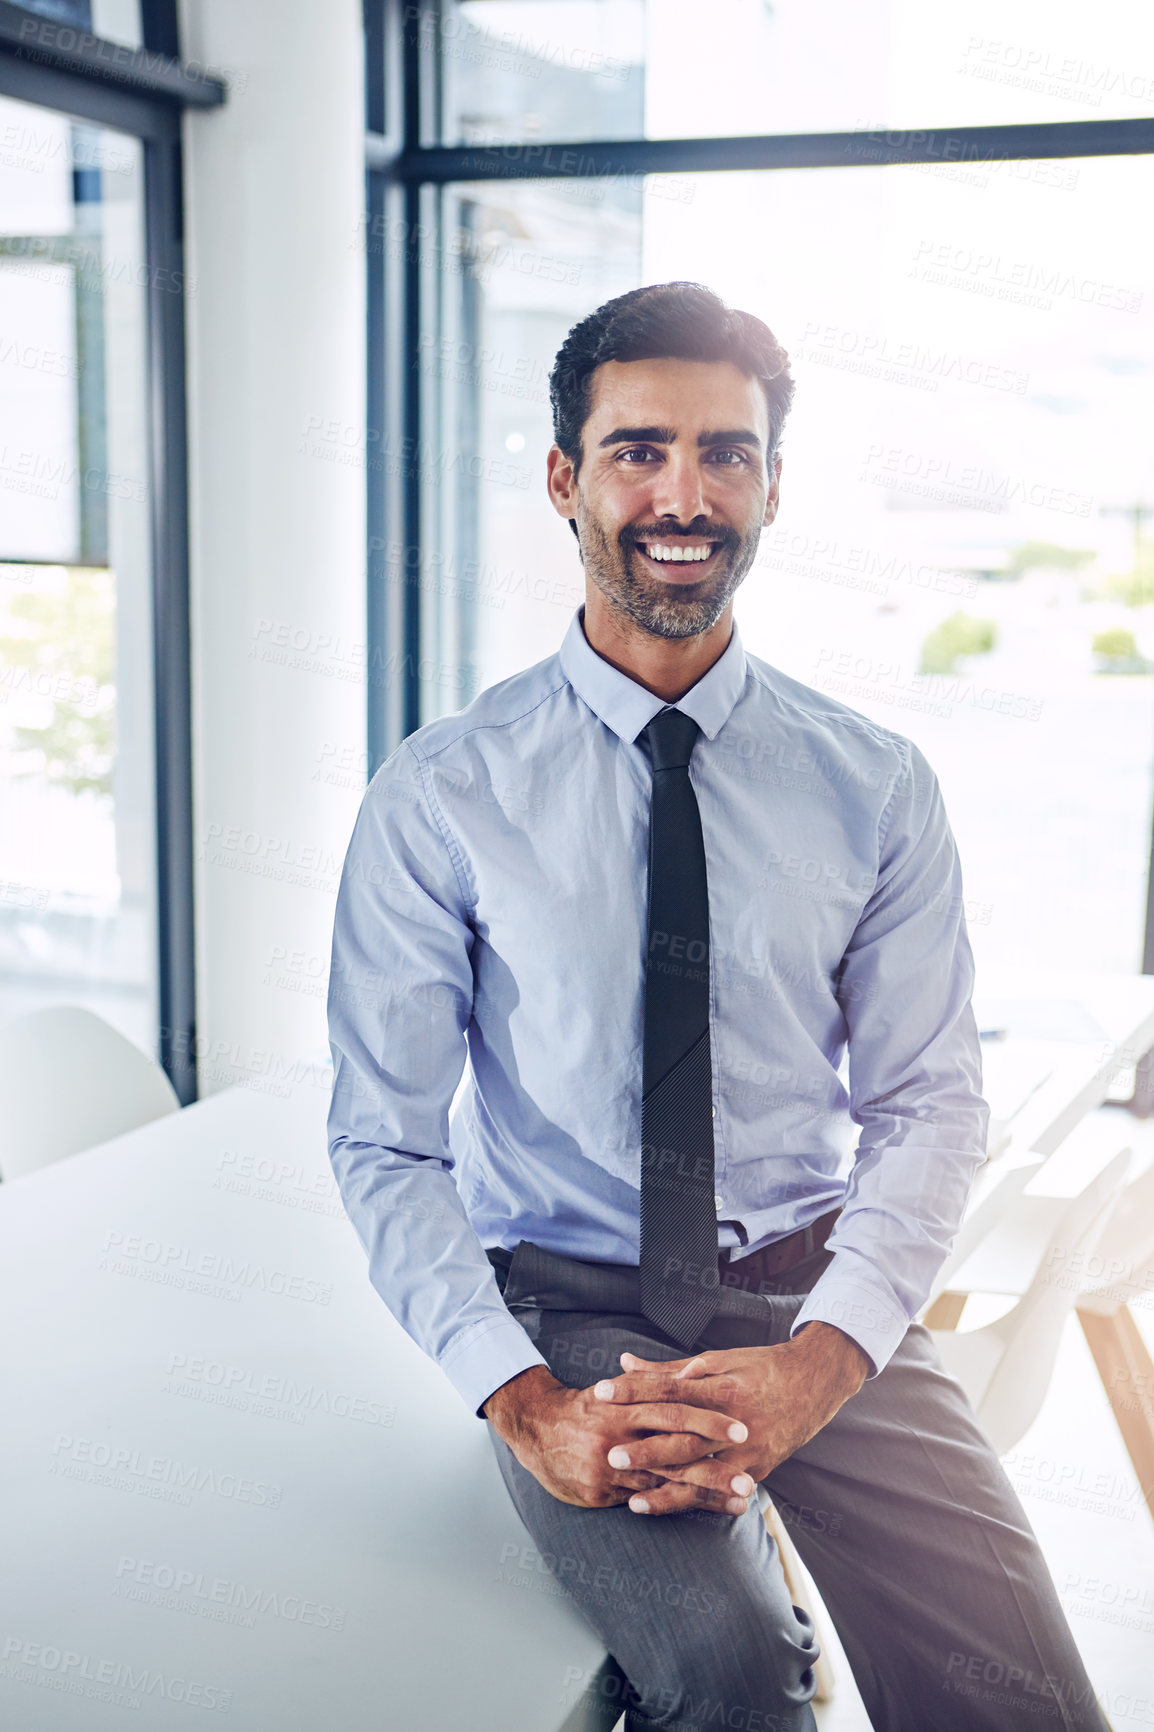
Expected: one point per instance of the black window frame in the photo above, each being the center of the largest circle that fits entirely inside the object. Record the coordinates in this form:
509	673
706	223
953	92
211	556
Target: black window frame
144	92
403	84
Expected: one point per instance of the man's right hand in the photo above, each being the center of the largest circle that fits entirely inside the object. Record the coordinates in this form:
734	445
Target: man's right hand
563	1436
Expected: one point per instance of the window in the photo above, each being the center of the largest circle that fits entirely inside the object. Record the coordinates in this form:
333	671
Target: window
945	240
78	912
95	777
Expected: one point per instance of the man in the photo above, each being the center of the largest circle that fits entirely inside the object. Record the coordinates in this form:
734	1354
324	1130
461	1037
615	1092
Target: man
656	886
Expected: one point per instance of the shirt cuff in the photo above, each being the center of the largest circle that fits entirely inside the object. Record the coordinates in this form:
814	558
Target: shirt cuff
486	1358
868	1315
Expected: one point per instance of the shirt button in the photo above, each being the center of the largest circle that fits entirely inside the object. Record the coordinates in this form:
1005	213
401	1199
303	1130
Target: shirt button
713	1112
717	1203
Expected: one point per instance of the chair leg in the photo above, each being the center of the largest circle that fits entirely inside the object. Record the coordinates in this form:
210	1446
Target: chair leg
1127	1374
800	1594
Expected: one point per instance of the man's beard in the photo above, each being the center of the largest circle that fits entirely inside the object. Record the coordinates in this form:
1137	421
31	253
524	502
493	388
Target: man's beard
666	609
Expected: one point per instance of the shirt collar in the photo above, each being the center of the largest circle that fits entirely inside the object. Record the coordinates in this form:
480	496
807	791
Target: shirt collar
627	707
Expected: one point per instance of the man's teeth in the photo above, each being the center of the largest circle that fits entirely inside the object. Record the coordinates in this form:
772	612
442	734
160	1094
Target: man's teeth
666	550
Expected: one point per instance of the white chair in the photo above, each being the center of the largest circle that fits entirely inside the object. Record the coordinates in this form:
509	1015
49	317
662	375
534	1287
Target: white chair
996	1192
69	1081
1005	1367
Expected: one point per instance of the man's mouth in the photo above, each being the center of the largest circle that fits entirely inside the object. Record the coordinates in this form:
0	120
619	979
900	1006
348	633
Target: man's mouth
680	556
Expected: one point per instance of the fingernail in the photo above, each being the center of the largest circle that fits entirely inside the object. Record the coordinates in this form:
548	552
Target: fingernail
736	1506
603	1390
742	1484
639	1505
618	1457
738	1432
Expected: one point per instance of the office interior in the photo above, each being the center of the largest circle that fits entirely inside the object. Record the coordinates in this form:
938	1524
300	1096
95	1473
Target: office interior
280	288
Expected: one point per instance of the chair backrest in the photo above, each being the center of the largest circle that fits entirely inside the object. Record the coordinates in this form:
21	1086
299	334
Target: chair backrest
69	1081
1002	1190
1031	1332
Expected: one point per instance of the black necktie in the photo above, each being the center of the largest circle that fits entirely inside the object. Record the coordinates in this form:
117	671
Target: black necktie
678	1213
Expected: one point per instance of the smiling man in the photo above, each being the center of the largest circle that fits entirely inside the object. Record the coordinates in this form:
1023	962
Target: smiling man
653	889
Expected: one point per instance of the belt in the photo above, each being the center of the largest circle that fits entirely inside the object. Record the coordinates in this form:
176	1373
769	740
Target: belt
774	1259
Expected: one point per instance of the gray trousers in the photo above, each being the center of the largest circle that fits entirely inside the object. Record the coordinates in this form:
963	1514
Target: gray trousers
898	1507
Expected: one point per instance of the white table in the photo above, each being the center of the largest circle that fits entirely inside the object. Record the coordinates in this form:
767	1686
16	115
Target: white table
1068	1034
246	1486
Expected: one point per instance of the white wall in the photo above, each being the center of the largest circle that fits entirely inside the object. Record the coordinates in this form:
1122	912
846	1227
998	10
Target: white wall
276	345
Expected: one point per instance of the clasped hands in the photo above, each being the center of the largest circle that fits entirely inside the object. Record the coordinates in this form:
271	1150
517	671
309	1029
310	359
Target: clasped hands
671	1435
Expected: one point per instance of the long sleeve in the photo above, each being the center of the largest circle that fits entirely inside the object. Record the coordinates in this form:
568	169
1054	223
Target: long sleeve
400	1001
914	1077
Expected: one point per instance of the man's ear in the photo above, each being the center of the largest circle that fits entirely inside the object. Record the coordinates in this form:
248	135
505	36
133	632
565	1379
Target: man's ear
773	498
561	483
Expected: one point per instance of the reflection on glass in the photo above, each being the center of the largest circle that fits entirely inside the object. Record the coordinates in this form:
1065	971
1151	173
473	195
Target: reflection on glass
524	71
519	70
965	549
77	890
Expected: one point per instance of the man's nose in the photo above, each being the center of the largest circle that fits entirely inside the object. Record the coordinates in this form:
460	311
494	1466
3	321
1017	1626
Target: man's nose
678	491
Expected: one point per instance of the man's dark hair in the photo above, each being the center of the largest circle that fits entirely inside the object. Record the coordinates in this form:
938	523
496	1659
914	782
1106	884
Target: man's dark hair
675	321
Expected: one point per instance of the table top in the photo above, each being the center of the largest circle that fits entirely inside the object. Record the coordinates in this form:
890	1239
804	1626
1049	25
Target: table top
1067	1035
231	1480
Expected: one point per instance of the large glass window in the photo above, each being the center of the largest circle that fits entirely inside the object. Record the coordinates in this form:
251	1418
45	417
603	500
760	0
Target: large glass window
78	910
962	551
526	71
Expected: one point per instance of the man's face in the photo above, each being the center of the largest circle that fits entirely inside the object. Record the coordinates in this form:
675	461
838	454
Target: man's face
673	489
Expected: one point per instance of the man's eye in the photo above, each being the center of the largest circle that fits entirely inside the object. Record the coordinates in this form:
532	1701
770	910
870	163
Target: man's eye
640	452
731	451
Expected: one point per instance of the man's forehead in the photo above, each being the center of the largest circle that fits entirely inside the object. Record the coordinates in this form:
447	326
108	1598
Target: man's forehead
675	392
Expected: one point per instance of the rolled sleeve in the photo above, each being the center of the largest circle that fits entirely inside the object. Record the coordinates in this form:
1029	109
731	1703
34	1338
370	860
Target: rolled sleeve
915	1077
400	1000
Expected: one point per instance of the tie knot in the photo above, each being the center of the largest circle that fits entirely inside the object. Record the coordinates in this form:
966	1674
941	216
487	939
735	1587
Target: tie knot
672	736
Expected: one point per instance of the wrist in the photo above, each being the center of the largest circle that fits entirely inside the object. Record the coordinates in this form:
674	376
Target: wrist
832	1354
509	1407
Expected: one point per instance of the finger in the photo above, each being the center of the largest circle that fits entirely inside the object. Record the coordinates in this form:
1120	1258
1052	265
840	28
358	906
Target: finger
694	1368
669	1499
718	1429
663	1451
629	1482
713	1473
634	1362
719	1394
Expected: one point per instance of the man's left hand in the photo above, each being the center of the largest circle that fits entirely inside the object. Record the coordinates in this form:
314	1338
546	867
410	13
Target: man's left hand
784	1394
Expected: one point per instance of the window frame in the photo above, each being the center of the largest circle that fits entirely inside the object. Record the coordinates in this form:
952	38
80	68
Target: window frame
143	92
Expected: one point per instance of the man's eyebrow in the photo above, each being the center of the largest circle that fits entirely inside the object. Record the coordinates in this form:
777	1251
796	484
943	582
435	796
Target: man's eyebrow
639	436
668	436
734	436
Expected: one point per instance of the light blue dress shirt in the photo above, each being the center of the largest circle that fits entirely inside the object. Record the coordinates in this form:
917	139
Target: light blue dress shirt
493	906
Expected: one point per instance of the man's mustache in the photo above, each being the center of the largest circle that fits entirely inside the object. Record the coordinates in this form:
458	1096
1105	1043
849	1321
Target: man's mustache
666	532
